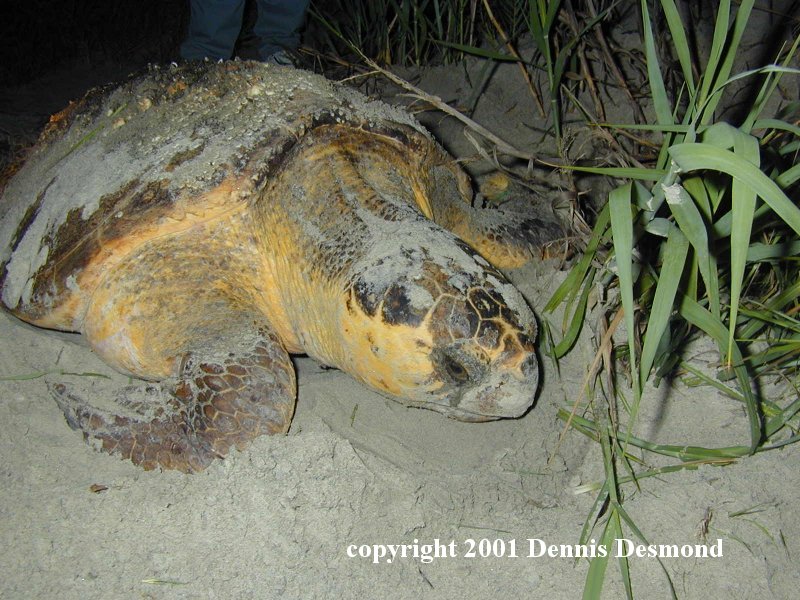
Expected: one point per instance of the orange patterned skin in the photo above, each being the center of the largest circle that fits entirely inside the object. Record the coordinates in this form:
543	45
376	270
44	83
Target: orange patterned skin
200	224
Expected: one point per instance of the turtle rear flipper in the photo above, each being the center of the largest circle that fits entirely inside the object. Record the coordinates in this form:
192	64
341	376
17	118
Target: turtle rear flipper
226	394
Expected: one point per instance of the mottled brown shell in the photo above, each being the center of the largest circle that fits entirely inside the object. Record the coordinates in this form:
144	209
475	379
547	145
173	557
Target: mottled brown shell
119	163
200	223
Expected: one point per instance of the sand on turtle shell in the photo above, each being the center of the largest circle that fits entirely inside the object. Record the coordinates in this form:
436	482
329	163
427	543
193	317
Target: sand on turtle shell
223	121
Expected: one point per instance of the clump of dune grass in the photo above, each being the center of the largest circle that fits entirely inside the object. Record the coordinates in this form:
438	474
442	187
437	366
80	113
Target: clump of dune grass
702	242
700	239
400	32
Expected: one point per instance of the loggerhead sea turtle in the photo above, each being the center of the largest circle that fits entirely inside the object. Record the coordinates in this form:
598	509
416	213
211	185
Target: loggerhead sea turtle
199	223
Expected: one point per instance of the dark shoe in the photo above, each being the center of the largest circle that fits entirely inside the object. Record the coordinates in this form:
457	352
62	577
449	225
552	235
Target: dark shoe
283	58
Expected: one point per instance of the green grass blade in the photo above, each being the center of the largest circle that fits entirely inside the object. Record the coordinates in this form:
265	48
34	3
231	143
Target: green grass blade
622	514
789	176
743	206
723	226
475	51
551	12
577	321
721	135
622	561
713	327
594	513
663	128
675	252
693	227
724	136
785	353
657	89
680	452
759	252
696	186
782	419
537	26
731	48
679	43
778	125
715	54
712	382
767	89
782	320
619	203
776	303
577	274
596	575
692	157
659	226
765	70
655	472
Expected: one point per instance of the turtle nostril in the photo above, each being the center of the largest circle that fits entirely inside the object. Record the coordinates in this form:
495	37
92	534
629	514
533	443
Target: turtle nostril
529	366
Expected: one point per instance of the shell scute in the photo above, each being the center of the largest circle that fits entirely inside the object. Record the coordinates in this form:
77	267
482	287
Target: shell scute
122	160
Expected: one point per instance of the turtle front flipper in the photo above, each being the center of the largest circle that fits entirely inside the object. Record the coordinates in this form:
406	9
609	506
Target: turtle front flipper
508	236
413	168
225	394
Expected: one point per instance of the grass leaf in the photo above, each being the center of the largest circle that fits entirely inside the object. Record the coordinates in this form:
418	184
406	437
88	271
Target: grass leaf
619	203
679	43
711	325
694	228
657	90
730	47
570	285
597	567
576	321
695	156
675	252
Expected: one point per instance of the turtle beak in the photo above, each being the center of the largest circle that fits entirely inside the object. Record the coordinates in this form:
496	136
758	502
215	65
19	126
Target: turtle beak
508	394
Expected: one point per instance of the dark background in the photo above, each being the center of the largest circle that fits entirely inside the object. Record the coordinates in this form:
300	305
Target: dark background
37	36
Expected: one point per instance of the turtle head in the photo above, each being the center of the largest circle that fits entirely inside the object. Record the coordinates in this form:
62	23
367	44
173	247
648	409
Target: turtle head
456	340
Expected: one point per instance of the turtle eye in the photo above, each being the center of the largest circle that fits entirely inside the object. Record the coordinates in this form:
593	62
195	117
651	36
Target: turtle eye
455	370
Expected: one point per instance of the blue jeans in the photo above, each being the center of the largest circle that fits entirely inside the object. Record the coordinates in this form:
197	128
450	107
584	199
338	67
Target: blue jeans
214	26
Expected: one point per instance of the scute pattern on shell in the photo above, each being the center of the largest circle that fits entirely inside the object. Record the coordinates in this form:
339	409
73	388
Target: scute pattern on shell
169	135
201	223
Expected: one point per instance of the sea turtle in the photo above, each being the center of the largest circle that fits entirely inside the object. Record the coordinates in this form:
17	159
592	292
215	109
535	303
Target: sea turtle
199	223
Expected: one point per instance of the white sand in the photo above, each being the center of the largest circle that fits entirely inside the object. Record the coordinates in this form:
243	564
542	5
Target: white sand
277	520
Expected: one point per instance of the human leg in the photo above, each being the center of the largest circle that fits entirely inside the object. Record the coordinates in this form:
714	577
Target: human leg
278	25
214	26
